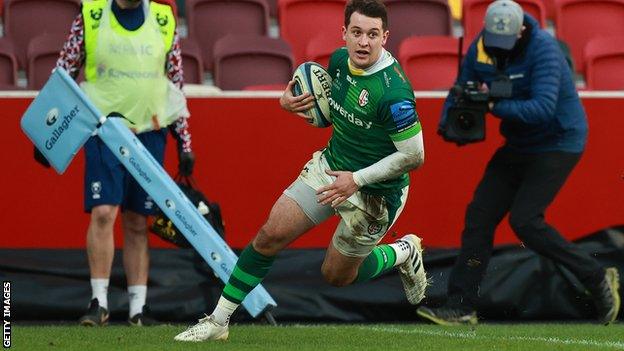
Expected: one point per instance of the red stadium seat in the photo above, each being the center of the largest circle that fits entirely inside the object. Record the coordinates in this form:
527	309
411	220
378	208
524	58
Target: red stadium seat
430	62
474	13
244	60
209	20
320	48
579	21
191	62
8	65
416	17
26	19
42	54
272	8
550	7
302	20
604	58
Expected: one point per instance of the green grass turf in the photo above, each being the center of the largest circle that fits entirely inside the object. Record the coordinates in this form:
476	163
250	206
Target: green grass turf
413	337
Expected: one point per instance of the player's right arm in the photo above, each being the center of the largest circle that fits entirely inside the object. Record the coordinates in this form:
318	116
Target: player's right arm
304	102
72	56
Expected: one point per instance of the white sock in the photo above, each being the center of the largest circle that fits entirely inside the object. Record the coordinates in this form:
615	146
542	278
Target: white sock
402	250
136	296
99	290
224	310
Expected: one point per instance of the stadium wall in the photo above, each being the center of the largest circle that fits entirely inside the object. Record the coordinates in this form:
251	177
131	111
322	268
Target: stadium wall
248	150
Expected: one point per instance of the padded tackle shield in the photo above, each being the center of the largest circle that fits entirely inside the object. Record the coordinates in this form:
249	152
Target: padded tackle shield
62	117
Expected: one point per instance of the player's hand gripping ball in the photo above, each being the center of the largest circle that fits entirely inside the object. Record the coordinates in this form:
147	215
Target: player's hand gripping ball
310	77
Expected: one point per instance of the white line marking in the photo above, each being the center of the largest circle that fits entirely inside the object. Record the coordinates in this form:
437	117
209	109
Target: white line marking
473	335
208	91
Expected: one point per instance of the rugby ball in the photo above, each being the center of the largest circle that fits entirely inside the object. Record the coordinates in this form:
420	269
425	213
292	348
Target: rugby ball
310	77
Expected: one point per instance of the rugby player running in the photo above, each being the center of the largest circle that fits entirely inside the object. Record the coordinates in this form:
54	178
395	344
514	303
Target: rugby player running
361	176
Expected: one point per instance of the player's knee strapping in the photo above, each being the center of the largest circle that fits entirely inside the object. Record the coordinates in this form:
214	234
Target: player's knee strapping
250	270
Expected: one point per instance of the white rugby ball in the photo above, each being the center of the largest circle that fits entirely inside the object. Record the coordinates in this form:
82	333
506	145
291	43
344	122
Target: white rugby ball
310	77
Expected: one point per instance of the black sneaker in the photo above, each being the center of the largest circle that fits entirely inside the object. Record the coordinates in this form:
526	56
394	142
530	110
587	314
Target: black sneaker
606	296
447	315
96	315
143	319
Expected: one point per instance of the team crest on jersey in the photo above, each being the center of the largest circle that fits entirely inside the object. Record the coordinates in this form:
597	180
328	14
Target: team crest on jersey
162	20
374	228
96	15
363	99
96	189
149	203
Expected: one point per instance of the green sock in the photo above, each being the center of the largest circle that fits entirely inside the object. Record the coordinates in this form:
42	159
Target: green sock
380	260
249	271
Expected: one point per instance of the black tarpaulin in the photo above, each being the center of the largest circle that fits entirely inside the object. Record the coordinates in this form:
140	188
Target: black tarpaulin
519	285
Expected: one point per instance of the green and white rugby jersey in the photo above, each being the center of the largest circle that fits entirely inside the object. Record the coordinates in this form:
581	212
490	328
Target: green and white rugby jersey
369	109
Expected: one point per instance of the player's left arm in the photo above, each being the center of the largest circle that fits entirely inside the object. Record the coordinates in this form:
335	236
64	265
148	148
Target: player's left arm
73	54
401	121
180	128
406	133
410	155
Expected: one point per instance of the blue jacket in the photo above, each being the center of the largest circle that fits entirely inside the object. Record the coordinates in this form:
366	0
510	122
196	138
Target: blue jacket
545	112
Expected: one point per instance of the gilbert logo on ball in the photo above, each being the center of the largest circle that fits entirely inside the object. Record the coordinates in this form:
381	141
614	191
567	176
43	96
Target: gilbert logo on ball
310	77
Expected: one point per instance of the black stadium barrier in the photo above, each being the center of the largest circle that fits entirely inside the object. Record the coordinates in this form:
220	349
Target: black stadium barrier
520	286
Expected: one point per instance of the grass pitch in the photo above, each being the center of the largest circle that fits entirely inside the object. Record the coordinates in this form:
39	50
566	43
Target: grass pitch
413	337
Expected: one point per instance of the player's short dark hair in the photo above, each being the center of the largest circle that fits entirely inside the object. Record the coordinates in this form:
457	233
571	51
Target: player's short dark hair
368	8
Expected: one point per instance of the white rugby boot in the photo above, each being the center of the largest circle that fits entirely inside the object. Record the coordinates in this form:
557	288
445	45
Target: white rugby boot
412	271
205	329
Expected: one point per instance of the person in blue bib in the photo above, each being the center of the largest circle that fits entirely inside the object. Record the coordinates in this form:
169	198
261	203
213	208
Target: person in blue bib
132	62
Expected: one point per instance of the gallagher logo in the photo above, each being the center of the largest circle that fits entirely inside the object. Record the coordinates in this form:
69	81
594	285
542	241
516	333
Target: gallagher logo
100	70
52	116
170	204
124	152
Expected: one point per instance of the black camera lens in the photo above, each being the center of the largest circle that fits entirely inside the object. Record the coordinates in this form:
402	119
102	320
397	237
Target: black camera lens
466	122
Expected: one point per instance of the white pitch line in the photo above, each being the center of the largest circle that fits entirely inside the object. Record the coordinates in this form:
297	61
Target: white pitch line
473	335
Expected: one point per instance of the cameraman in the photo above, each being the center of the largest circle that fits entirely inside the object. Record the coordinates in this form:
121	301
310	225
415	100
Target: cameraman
545	128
